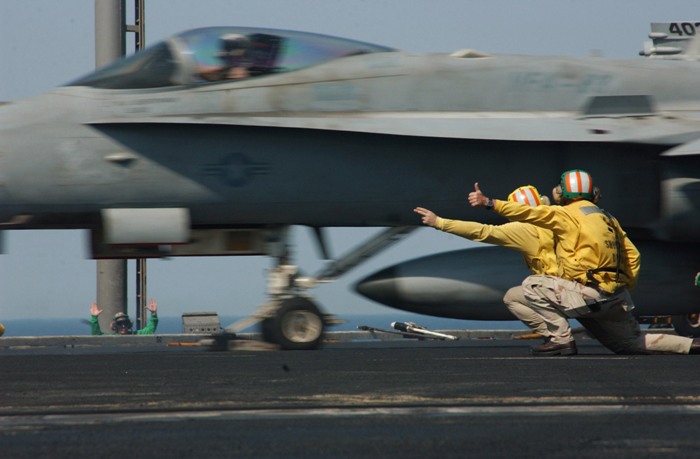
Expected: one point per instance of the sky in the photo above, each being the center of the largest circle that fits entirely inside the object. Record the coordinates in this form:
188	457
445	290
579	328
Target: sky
45	43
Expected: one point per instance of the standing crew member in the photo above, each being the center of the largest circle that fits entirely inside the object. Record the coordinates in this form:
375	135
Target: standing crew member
121	324
598	264
535	244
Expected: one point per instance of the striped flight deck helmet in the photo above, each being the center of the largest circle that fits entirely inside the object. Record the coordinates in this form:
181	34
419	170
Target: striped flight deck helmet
577	184
527	194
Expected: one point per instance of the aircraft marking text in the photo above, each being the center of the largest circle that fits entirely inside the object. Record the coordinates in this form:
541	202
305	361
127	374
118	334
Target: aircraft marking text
683	28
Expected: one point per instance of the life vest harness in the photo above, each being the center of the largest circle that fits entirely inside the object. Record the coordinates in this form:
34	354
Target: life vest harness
590	272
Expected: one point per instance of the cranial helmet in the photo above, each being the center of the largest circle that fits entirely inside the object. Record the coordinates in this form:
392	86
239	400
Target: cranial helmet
121	319
120	315
233	43
577	184
527	194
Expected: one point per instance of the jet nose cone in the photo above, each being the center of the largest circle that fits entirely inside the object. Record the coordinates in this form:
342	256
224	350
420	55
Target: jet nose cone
452	284
381	287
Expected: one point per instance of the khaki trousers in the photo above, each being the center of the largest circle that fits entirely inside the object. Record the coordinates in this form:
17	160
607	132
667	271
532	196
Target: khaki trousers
610	321
517	304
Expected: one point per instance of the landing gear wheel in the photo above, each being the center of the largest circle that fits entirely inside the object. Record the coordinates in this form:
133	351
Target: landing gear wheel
687	325
298	325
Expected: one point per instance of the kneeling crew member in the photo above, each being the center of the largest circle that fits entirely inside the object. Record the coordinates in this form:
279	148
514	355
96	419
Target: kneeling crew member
598	265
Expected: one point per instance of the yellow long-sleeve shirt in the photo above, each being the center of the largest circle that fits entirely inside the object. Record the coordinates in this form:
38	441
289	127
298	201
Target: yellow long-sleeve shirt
535	244
586	240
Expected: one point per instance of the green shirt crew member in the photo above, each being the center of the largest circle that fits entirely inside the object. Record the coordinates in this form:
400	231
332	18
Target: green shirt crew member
121	324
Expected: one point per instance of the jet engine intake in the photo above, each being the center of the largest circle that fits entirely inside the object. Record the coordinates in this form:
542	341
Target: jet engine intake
146	226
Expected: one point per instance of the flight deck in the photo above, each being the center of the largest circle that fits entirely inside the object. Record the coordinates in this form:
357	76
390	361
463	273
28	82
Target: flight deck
168	396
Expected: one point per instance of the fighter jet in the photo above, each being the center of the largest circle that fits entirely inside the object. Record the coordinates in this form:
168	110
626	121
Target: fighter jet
217	140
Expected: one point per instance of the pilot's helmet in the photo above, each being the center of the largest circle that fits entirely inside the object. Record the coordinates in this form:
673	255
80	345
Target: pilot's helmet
233	44
121	323
528	195
577	184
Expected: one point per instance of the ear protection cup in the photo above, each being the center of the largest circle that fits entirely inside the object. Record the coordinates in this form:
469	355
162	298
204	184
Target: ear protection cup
556	194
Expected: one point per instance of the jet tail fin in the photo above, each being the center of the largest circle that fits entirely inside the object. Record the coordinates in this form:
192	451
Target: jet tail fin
693	51
673	40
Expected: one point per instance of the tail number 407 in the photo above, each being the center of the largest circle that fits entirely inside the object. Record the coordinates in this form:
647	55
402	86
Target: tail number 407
683	28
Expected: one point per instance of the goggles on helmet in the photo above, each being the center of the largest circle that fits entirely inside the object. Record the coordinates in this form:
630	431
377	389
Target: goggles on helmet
121	319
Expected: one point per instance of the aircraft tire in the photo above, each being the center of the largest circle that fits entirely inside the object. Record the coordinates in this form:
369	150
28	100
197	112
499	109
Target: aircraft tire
298	325
687	324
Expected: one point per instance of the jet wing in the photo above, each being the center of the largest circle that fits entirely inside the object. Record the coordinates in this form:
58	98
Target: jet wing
686	149
509	126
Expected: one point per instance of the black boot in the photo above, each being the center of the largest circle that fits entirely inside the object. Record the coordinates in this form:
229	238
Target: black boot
695	346
550	348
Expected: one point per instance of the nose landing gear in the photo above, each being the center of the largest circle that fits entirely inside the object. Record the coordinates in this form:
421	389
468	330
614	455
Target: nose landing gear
297	325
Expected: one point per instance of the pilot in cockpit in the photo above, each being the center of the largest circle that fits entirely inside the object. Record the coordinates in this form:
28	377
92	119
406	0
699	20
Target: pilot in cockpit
235	61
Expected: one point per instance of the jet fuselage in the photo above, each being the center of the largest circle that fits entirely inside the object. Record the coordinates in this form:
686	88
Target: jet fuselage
360	141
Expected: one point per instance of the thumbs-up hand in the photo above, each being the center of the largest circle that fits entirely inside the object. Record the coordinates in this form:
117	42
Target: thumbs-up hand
477	198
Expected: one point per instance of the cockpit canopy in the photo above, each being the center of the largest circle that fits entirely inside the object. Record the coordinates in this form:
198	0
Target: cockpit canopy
202	56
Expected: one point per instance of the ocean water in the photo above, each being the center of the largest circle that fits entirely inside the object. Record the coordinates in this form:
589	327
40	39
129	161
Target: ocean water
166	325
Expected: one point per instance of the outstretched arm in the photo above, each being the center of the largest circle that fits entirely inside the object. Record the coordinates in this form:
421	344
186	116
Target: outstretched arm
508	235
